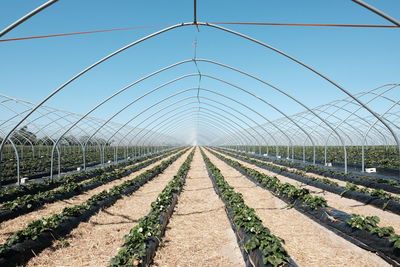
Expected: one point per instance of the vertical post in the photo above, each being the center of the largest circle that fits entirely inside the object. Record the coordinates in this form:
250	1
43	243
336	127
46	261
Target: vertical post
195	11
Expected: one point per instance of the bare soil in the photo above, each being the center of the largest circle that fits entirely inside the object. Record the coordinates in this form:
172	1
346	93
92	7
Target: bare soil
7	228
199	233
341	203
307	242
95	242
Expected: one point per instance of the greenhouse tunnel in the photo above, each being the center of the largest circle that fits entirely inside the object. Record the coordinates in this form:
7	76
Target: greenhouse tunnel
204	101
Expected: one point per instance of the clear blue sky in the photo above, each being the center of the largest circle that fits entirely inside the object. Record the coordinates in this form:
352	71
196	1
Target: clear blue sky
357	58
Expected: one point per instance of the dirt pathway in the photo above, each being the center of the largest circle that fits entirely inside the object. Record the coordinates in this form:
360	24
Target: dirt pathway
95	242
307	242
10	226
199	233
341	203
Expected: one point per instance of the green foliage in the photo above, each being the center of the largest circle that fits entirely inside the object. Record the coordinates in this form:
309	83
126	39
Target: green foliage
370	223
274	184
363	222
396	240
310	168
245	218
134	249
35	228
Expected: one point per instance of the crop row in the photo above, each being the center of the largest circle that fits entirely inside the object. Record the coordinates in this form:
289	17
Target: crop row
143	239
39	234
40	166
368	181
12	192
258	238
383	157
30	202
376	197
382	240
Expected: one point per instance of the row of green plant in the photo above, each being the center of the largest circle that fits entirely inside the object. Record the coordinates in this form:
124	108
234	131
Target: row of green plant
245	218
370	224
356	221
34	201
379	193
274	184
375	156
135	247
328	172
71	158
40	166
33	230
11	191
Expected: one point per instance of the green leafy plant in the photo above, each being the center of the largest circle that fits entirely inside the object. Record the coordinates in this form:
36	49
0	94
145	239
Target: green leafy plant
245	218
136	242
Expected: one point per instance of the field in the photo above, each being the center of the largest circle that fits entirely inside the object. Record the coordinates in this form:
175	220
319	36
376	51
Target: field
200	133
231	208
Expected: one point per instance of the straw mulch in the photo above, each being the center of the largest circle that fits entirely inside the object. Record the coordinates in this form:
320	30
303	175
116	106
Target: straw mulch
10	226
341	203
95	242
199	233
307	242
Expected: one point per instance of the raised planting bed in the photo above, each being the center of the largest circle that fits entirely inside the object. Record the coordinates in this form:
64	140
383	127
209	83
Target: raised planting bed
382	241
259	246
143	240
28	203
388	185
12	192
375	197
39	234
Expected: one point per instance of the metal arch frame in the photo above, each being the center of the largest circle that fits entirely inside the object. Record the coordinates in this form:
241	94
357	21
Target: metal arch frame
359	107
320	75
228	129
352	102
18	114
142	96
190	75
171	128
164	109
260	80
185	76
344	120
86	70
184	120
140	123
228	113
232	131
216	113
26	17
234	33
46	115
16	156
177	127
207	122
377	11
200	134
366	134
151	130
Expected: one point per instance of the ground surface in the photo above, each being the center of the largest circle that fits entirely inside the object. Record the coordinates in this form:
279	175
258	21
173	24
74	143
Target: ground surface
199	232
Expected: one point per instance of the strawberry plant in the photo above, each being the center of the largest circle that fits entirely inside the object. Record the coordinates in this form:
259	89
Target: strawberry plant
245	218
134	250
